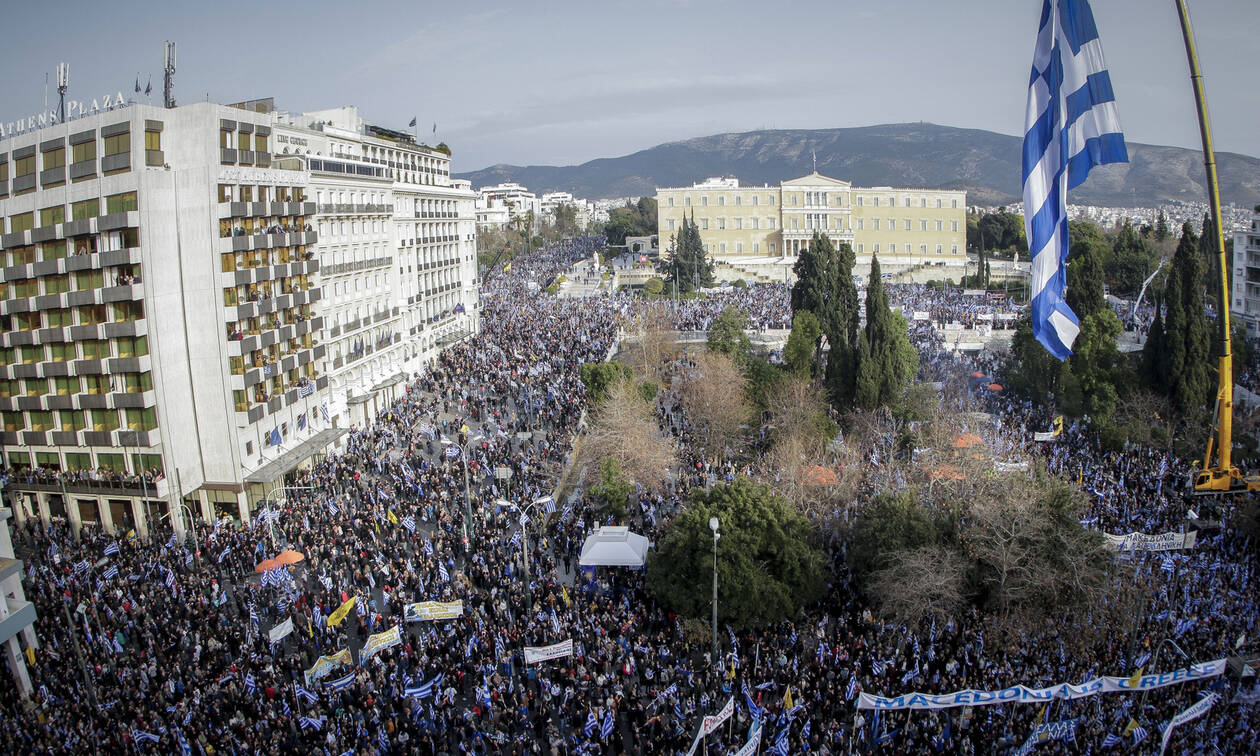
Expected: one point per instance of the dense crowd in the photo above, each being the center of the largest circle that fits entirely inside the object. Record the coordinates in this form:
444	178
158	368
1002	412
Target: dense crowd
175	634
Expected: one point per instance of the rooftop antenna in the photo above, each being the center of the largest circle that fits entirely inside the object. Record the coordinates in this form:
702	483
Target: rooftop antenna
63	81
815	154
168	80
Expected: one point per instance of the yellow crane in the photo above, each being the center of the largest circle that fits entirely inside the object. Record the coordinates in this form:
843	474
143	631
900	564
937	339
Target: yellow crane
1222	477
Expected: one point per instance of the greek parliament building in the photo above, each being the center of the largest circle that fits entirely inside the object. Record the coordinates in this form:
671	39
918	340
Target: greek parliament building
760	226
195	301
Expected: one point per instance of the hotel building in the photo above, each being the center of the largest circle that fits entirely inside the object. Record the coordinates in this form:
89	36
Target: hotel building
166	303
1246	276
747	224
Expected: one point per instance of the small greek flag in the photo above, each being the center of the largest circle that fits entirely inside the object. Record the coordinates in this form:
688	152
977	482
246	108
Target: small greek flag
110	572
591	724
1168	565
452	451
227	550
852	689
1139	734
442	571
82	567
304	694
140	736
342	683
428	547
424	690
111	549
253	616
409	523
311	723
1111	740
250	684
606	728
184	748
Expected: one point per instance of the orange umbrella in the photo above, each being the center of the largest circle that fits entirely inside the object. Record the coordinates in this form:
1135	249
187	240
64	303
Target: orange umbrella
995	387
289	557
977	374
963	440
267	564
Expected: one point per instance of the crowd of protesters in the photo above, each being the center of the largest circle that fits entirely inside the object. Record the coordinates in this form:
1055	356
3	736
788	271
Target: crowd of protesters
175	634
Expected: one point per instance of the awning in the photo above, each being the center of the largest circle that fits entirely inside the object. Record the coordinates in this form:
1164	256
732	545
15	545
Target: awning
453	337
614	546
295	456
393	380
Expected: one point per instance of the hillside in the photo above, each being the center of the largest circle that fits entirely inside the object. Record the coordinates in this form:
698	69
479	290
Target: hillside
921	155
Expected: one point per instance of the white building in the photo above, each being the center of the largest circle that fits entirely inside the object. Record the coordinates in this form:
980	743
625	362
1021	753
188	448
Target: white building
519	200
164	308
17	615
492	213
1246	277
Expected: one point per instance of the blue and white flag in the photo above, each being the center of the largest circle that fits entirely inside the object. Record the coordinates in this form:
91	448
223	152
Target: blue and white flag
311	723
250	684
446	576
1070	126
606	728
452	451
184	748
140	736
341	683
424	690
224	555
591	724
110	572
409	523
111	549
304	694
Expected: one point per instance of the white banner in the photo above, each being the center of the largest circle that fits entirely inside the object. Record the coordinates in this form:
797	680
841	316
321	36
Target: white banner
535	654
1046	437
381	641
710	724
1021	694
1194	712
919	315
279	631
427	611
1144	542
754	741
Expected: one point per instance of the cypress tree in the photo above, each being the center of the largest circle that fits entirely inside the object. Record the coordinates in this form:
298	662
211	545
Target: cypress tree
689	266
886	360
1085	281
1153	368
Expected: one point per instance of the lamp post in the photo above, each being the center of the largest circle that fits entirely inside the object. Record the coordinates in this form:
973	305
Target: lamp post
271	521
463	449
713	525
1155	659
525	512
134	446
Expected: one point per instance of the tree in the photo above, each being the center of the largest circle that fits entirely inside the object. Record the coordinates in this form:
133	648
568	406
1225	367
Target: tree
1085	277
825	287
598	377
800	354
1032	371
890	523
653	286
928	580
728	334
1161	226
1132	261
1002	230
612	491
767	569
888	360
712	394
1178	361
624	427
689	267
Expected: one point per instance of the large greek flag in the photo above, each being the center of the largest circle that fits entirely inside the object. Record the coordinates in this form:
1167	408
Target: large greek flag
1071	125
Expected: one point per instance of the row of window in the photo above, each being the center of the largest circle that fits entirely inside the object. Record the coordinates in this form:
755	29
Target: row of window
906	224
82	461
131	383
246	259
86	349
907	249
816	199
83	280
243	141
85	152
88	208
260	193
77	420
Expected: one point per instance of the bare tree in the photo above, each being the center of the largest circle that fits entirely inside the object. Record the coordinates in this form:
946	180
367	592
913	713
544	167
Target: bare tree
651	340
624	427
919	582
712	394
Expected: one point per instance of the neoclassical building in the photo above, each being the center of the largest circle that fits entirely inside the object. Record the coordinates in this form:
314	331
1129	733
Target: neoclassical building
903	226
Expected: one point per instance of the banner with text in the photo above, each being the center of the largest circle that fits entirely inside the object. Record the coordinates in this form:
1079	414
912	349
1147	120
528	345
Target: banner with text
1194	712
710	724
280	631
381	641
325	664
535	654
1144	542
1022	694
427	611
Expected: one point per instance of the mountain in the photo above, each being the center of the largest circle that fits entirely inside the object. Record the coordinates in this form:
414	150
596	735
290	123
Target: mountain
919	155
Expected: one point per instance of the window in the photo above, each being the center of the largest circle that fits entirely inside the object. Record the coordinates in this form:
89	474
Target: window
53	250
242	141
721	200
722	247
31	354
104	420
225	192
95	350
687	201
96	384
861	248
51	216
125	312
55	158
120	203
86	280
923	249
892	249
240	401
42	421
24	167
940	226
756	248
953	204
671	200
875	200
72	420
118	145
923	225
721	224
66	386
907	224
670	222
137	346
739	248
953	250
141	419
88	208
772	248
704	223
83	153
769	222
861	224
754	223
953	225
36	386
59	319
739	199
875	224
704	200
13	422
21	222
875	247
938	249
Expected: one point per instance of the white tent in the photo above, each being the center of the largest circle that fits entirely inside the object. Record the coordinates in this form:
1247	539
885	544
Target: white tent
614	546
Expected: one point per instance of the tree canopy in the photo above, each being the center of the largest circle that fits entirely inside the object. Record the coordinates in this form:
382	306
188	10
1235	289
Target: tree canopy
767	569
689	266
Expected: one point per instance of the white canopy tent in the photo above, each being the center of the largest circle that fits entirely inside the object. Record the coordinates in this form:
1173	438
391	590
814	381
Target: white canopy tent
614	546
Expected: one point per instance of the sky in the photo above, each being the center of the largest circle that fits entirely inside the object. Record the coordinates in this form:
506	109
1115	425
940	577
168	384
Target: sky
565	82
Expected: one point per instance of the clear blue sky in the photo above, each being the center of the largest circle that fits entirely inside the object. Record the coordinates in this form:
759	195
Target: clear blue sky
561	83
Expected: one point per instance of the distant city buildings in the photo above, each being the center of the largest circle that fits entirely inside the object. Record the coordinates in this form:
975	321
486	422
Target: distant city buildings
741	223
1246	274
1177	213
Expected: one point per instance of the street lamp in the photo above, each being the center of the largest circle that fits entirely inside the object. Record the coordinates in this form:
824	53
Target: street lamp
271	521
463	449
713	525
525	512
